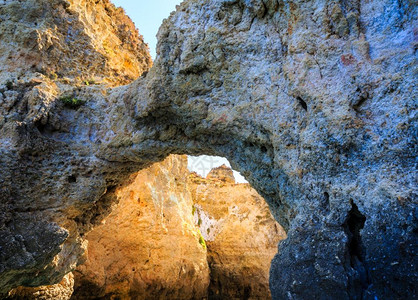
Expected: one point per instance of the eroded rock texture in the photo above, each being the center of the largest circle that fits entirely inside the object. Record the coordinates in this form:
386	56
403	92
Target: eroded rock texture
148	247
62	291
240	233
314	101
70	41
49	186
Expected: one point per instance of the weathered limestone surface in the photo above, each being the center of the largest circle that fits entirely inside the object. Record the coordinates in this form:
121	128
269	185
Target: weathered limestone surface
314	101
240	233
62	291
49	187
148	247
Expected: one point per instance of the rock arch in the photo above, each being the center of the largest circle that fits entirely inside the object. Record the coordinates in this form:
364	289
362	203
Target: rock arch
313	101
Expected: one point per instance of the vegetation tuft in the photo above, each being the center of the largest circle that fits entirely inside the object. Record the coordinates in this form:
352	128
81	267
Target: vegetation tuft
72	102
90	81
202	240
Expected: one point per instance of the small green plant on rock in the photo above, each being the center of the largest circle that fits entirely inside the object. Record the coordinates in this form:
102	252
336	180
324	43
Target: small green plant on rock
202	240
72	102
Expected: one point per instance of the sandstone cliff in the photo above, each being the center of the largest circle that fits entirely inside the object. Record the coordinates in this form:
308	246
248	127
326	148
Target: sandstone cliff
148	247
240	233
70	41
313	101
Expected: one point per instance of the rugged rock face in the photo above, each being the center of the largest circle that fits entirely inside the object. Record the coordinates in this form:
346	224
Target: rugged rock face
148	247
70	41
314	101
221	174
61	291
50	52
240	234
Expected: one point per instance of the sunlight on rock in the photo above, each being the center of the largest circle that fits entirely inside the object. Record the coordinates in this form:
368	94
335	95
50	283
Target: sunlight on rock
203	164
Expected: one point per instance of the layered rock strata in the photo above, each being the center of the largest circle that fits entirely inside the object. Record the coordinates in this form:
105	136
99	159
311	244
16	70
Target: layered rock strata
240	233
313	101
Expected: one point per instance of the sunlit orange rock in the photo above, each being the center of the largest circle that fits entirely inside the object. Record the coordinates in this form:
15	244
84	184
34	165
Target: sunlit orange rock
148	247
61	291
240	234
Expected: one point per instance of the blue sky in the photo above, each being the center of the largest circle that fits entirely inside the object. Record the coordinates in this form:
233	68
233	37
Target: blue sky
148	16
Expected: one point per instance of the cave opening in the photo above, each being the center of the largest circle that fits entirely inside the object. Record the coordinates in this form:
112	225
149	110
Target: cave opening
185	228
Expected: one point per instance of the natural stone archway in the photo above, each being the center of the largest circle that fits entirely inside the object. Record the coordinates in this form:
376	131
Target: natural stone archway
312	100
173	232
